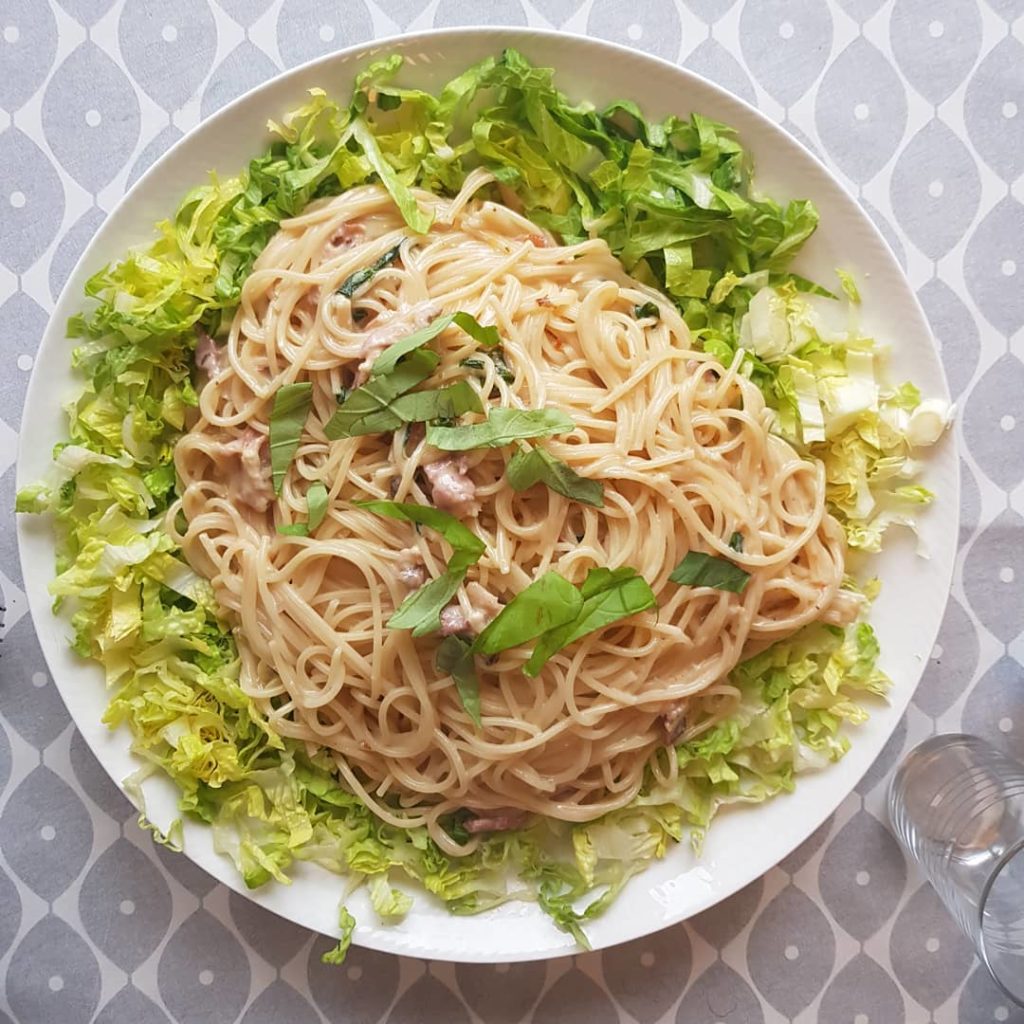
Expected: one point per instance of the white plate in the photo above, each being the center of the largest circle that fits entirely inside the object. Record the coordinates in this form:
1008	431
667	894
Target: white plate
743	843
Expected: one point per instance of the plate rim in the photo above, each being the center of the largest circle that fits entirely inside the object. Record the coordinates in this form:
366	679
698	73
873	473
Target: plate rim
36	594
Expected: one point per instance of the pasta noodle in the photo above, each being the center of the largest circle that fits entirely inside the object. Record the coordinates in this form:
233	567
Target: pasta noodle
681	444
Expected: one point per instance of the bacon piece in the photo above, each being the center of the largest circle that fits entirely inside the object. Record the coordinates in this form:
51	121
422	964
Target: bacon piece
344	237
410	568
483	607
249	478
451	489
673	722
453	622
208	356
504	819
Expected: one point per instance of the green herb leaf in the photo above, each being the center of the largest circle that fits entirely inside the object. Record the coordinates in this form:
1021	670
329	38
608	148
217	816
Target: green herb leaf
356	280
608	596
548	602
455	658
699	569
460	537
736	541
421	610
316	503
488	336
388	101
367	410
388	359
647	309
414	407
444	404
347	923
502	427
501	368
287	418
530	466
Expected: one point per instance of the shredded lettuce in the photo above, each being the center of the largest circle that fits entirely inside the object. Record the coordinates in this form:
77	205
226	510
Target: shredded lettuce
674	201
337	954
826	387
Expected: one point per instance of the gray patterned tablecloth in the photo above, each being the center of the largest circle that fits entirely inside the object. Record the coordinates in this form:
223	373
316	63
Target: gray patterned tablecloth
918	105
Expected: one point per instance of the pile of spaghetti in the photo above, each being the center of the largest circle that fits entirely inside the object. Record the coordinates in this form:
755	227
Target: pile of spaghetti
662	453
464	493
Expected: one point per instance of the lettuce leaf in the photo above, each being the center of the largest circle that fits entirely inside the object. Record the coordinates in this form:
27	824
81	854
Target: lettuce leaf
347	924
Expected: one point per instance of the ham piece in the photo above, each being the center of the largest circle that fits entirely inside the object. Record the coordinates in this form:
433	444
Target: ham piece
208	356
502	820
451	488
248	475
483	607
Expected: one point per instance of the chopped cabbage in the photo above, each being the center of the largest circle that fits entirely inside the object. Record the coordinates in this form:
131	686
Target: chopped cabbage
827	393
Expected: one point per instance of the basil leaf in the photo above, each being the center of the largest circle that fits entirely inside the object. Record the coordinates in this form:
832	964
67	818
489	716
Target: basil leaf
447	403
316	506
488	336
501	368
356	280
600	580
647	309
502	427
367	410
548	602
421	610
698	569
608	596
455	658
387	360
316	503
287	418
530	466
736	541
373	409
462	539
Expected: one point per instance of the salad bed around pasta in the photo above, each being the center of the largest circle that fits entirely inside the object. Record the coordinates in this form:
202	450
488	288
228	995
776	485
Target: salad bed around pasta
376	339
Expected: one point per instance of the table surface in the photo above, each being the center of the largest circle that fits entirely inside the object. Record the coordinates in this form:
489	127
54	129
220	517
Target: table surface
918	105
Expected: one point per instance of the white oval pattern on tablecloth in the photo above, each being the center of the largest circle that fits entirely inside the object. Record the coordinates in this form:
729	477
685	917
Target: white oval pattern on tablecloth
936	189
954	329
91	116
843	931
168	47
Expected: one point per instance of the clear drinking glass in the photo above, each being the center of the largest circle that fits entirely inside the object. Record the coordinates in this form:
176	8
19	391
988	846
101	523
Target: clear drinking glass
957	805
